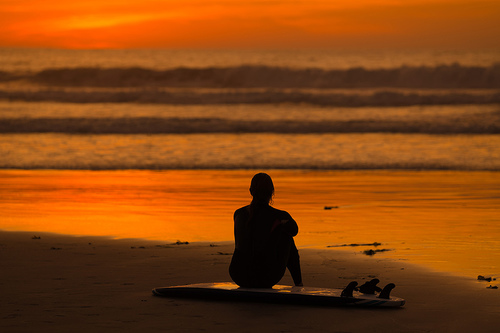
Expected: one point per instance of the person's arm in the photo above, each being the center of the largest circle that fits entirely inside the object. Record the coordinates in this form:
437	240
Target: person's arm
239	228
289	225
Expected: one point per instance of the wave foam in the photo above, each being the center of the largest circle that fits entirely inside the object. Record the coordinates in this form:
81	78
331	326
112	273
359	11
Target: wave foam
437	77
472	124
341	99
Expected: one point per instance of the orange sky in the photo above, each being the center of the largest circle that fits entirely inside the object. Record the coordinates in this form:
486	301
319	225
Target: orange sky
462	24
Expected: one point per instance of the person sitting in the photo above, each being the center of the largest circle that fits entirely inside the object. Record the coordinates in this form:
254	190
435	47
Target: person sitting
264	244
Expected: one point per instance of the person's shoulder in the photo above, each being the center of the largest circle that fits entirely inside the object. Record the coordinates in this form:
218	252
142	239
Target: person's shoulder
242	210
280	212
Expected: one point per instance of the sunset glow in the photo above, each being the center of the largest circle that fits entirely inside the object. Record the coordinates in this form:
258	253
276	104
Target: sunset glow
462	24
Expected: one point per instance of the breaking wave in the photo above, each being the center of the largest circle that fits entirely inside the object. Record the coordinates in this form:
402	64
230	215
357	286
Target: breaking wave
355	87
341	99
471	124
453	76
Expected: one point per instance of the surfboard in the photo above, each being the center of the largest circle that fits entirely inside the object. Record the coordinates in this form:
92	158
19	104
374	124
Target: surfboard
281	294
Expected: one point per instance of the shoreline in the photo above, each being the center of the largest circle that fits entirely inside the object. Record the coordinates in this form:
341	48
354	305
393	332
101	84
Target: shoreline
83	283
340	250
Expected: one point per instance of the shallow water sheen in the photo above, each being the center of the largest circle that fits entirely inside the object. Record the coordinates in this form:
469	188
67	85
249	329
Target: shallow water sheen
446	220
241	151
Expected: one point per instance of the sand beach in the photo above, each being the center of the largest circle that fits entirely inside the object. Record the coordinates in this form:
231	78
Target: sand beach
57	283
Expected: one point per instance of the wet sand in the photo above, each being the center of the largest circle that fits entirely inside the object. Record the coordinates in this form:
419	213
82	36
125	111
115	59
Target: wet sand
445	220
80	284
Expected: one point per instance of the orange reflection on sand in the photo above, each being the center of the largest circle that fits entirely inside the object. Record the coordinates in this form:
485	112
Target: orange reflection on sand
120	204
445	220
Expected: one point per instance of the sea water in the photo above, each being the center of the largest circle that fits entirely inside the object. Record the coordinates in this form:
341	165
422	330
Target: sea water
421	112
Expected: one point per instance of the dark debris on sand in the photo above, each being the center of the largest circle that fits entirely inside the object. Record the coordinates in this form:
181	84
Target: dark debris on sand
487	279
372	252
180	243
355	244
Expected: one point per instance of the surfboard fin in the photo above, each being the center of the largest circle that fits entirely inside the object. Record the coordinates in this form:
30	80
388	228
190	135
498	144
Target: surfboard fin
347	292
386	292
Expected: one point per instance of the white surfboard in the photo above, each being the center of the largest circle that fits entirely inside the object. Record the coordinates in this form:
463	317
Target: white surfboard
281	294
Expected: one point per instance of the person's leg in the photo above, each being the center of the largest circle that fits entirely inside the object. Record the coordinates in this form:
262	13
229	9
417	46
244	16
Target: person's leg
278	255
293	264
268	270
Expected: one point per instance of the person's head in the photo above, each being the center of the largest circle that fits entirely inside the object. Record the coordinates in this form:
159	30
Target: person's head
262	188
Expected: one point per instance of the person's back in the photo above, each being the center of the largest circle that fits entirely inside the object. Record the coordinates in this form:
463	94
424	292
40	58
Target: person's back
264	245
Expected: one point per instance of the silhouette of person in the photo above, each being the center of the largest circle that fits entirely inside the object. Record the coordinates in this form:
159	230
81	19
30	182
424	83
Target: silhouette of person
264	245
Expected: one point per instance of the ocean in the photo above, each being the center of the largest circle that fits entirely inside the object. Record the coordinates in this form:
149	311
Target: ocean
310	117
